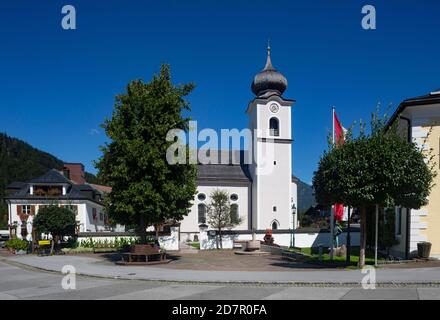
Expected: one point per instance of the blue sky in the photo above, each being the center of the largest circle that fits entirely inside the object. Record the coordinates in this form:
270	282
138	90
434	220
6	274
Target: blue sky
57	86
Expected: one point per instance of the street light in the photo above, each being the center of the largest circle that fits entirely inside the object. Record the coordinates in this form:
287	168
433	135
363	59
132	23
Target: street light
292	238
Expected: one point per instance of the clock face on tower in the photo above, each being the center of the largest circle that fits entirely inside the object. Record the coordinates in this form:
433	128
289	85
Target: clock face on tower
274	108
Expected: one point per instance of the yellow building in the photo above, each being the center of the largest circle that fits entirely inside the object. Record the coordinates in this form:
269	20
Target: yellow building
419	121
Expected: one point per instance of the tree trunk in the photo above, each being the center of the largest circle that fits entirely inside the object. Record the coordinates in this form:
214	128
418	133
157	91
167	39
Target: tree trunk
54	239
142	230
157	231
363	237
220	235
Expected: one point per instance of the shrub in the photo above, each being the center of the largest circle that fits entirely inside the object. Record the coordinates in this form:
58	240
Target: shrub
17	244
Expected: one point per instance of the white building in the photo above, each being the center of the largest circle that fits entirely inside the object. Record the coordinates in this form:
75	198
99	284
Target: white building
262	190
67	189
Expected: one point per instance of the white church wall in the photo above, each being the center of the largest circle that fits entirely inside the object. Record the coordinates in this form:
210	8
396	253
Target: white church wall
190	224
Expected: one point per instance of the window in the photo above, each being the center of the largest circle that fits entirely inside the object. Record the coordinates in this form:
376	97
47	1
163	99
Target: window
201	197
274	163
101	216
202	213
399	221
274	225
235	216
94	215
26	209
274	209
234	197
274	127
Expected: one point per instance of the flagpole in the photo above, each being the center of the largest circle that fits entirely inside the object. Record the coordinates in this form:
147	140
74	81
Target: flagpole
332	210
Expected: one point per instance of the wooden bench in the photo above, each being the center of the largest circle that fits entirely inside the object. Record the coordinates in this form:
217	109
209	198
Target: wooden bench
144	254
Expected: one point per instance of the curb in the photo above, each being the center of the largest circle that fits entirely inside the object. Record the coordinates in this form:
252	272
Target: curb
429	284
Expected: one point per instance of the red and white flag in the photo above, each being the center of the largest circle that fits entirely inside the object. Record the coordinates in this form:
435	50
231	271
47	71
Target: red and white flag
339	130
338	138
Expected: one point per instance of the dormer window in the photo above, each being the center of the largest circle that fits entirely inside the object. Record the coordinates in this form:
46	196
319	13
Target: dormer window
274	127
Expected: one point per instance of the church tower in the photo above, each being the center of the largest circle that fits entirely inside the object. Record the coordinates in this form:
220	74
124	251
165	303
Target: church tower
271	169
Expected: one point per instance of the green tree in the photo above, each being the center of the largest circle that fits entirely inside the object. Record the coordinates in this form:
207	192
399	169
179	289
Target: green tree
221	214
381	169
146	189
57	221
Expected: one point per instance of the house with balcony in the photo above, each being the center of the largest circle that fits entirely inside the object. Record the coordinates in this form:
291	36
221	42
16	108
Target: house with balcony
67	188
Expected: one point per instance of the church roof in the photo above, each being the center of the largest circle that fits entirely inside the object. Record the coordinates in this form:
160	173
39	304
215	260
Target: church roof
223	167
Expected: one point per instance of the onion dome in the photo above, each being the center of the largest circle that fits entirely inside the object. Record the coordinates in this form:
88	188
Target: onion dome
269	81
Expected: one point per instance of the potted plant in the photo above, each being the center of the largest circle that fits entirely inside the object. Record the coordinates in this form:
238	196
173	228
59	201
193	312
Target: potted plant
17	246
424	249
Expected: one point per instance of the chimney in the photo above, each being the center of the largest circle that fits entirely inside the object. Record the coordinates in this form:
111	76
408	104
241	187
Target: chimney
74	172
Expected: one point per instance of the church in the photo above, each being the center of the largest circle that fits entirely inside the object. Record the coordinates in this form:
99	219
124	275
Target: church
263	198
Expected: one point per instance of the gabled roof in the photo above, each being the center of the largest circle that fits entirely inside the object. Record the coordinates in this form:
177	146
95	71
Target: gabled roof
225	167
223	173
430	98
16	185
52	176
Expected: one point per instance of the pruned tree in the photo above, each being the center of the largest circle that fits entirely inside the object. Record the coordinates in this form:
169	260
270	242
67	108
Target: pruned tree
379	168
220	215
146	189
56	221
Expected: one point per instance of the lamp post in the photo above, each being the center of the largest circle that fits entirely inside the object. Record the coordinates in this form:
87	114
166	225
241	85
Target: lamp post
292	238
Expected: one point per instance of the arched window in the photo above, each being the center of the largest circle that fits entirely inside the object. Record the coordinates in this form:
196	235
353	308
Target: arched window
274	126
274	225
235	216
202	213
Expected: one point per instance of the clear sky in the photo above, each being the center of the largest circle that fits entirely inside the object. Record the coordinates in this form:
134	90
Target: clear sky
57	86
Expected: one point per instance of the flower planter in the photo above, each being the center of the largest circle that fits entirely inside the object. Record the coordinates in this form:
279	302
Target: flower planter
424	250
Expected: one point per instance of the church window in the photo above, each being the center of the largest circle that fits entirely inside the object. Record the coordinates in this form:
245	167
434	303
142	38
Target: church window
274	225
274	127
201	197
202	213
234	213
274	209
274	163
234	197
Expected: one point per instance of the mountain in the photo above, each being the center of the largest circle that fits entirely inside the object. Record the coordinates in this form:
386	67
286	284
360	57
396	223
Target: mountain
306	197
19	161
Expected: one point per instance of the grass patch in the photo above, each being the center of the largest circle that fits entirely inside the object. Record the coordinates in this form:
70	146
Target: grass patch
313	257
195	245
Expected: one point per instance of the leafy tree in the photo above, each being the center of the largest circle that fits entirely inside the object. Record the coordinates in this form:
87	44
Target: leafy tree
57	221
381	169
146	189
220	215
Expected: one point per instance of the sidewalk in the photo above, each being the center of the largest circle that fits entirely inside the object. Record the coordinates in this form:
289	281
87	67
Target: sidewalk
96	267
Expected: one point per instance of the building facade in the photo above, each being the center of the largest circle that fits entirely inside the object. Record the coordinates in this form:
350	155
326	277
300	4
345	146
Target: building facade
418	120
262	190
66	188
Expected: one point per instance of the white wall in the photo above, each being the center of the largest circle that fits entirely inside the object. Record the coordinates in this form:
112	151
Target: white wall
301	240
190	222
84	215
272	181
